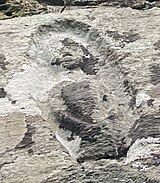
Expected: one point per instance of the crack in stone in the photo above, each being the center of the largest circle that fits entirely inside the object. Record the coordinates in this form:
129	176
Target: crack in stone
27	139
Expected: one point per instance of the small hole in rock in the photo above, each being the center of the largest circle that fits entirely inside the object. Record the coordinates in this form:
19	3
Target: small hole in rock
105	98
9	13
13	101
2	93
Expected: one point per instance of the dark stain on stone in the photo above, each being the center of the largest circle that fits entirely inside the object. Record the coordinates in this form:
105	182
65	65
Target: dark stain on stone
122	148
155	76
146	126
27	139
157	45
3	93
56	62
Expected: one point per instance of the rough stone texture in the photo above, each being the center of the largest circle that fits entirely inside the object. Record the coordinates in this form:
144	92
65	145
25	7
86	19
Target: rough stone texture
79	97
16	8
71	60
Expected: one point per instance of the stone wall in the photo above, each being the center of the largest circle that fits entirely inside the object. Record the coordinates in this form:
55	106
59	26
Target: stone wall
79	97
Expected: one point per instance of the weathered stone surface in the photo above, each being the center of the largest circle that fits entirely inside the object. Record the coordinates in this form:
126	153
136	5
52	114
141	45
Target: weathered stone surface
2	1
10	135
111	173
79	100
16	8
131	3
79	97
75	55
3	62
146	126
2	93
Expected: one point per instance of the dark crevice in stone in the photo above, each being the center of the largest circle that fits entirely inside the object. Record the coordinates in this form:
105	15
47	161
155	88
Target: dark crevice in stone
112	117
122	148
5	163
150	102
157	45
105	98
155	76
27	139
13	102
8	13
3	93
